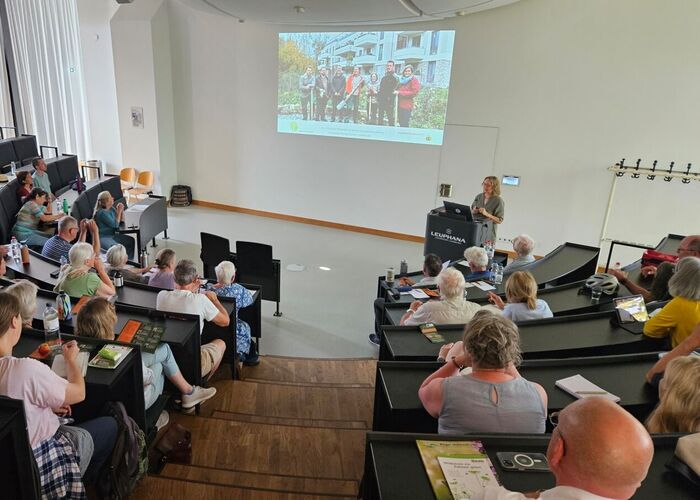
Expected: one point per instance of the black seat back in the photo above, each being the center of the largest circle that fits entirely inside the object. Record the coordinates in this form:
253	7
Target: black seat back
7	152
67	169
113	184
254	265
214	250
81	208
25	148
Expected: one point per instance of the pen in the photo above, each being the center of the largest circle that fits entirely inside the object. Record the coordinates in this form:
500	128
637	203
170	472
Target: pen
591	392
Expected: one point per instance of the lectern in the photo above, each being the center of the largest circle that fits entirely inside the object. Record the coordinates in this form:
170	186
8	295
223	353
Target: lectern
448	235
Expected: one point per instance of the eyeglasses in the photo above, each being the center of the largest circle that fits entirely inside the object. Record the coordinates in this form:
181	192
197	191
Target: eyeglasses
554	418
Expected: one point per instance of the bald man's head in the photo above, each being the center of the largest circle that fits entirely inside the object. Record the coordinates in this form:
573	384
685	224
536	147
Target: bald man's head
689	246
600	448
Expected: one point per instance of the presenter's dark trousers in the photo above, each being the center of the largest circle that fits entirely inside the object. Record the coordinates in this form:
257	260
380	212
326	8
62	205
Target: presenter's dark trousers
321	104
404	117
386	106
372	112
334	112
305	101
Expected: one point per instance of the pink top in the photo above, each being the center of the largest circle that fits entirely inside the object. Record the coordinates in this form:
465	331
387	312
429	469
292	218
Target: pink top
40	389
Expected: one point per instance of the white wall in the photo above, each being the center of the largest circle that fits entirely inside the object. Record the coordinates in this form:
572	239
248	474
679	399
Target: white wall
98	67
571	87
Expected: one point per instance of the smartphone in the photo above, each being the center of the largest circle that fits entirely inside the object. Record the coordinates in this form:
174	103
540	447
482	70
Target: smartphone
521	461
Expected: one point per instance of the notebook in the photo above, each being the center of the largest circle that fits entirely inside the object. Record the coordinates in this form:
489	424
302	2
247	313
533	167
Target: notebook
580	387
59	364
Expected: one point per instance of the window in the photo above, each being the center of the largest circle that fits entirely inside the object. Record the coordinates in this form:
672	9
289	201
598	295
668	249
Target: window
381	35
431	72
402	42
415	41
434	42
381	52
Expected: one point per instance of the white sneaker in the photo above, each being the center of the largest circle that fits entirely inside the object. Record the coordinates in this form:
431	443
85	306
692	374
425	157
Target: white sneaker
199	395
163	420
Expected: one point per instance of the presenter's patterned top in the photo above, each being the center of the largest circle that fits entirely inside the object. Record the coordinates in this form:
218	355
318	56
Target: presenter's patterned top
495	207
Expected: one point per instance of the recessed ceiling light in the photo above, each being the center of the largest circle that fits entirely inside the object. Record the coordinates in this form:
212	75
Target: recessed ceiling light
460	13
324	268
299	9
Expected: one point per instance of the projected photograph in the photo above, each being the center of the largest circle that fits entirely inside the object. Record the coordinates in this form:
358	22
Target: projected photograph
376	85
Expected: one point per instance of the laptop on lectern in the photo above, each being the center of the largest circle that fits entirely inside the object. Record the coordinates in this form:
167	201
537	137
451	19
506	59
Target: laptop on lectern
457	211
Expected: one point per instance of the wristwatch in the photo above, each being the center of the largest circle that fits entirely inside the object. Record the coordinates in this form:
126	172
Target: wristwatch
441	359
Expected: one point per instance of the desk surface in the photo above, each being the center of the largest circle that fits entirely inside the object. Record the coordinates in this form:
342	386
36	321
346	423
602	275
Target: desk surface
574	336
623	375
396	470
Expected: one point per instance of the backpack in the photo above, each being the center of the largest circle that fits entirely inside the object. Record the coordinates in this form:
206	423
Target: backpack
180	196
129	460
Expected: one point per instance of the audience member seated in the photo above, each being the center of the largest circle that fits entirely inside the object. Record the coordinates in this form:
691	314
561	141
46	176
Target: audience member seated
659	290
187	299
521	294
523	246
60	244
75	277
679	398
478	261
117	262
452	308
597	451
41	178
97	319
165	264
678	318
25	291
30	215
25	184
493	397
225	287
63	453
432	265
690	344
108	217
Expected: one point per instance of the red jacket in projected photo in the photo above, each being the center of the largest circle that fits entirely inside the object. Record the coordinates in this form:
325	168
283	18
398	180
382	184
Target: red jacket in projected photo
407	92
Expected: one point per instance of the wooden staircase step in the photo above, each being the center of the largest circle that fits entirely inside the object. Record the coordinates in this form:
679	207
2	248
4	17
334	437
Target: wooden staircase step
296	422
273	449
324	372
294	402
267	482
154	487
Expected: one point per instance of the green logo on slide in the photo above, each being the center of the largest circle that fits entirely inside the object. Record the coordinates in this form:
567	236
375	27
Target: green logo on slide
294	126
428	138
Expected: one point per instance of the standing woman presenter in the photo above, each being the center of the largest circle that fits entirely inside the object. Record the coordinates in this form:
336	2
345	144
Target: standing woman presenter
489	205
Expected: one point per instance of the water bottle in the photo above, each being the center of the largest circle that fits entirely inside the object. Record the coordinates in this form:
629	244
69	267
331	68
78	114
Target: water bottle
118	280
63	306
58	206
13	168
143	259
63	260
498	277
14	249
390	276
493	271
65	206
489	249
403	268
52	333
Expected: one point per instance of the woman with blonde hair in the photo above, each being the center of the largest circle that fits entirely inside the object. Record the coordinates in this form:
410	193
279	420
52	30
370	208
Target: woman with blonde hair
75	277
521	294
493	397
489	205
679	406
165	266
25	291
98	318
108	217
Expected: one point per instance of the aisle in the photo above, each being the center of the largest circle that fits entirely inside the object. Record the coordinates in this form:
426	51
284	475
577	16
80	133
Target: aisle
292	428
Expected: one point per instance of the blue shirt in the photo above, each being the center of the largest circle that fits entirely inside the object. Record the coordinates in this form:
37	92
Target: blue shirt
244	298
520	312
481	275
55	248
106	221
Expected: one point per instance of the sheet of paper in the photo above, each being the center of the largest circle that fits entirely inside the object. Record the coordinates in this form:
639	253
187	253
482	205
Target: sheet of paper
446	264
467	477
59	364
462	263
580	387
482	285
417	293
469	285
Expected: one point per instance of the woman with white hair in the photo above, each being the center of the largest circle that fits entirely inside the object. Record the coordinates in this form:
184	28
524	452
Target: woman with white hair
25	291
452	308
493	397
108	217
75	277
478	261
225	287
523	246
117	259
678	318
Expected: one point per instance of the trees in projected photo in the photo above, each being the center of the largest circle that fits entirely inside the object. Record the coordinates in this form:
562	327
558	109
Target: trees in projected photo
428	52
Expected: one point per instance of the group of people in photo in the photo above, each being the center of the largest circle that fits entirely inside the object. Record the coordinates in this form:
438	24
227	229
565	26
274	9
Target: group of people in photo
336	97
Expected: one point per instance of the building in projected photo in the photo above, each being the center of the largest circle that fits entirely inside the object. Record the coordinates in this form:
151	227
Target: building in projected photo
429	52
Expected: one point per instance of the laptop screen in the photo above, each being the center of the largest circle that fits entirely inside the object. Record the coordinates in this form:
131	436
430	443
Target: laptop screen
458	210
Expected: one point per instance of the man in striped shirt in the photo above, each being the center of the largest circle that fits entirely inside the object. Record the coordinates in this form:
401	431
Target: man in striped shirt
59	245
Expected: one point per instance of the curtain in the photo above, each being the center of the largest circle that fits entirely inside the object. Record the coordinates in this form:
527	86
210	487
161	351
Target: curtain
45	39
6	119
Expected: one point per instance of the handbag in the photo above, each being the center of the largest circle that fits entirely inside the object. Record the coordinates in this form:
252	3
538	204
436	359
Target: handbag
174	446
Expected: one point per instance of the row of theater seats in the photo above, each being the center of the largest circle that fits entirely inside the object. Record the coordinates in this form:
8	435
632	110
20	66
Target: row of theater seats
22	149
62	171
84	205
